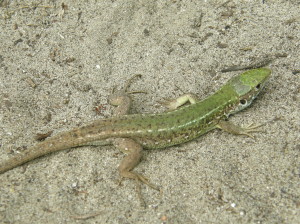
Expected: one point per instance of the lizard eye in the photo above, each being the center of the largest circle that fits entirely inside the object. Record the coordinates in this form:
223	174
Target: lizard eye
243	101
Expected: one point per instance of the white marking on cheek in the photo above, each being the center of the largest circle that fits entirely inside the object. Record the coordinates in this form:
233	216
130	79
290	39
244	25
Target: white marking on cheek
169	140
156	143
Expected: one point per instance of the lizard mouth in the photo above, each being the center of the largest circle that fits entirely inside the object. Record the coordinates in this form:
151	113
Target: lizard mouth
248	99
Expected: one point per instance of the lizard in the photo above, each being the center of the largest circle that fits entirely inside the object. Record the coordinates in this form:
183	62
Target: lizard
186	119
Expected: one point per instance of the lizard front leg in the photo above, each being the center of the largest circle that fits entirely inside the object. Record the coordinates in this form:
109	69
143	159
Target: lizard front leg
173	104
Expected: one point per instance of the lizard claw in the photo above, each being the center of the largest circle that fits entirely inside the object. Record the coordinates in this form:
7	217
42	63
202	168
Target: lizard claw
126	86
121	96
117	95
251	128
235	129
138	179
129	81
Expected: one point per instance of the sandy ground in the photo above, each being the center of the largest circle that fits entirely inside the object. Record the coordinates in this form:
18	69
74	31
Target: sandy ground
59	60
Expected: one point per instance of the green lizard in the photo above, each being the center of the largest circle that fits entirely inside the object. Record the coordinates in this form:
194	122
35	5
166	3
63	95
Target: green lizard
132	133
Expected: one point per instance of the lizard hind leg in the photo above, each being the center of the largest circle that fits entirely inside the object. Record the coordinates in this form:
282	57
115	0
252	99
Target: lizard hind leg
121	98
131	160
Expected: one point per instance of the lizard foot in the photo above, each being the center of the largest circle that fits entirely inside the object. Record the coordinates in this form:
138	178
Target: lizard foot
249	129
121	98
115	94
237	130
133	151
138	179
173	104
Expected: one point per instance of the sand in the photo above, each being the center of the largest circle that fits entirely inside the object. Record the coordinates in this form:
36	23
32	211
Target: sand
59	61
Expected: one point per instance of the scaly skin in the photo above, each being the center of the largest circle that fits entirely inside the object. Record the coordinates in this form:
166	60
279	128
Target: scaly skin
131	133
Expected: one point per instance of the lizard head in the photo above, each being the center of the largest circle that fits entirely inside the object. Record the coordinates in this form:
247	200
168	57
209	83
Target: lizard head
248	85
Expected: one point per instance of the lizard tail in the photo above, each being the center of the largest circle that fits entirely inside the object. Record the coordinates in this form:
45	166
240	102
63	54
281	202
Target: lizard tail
60	142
